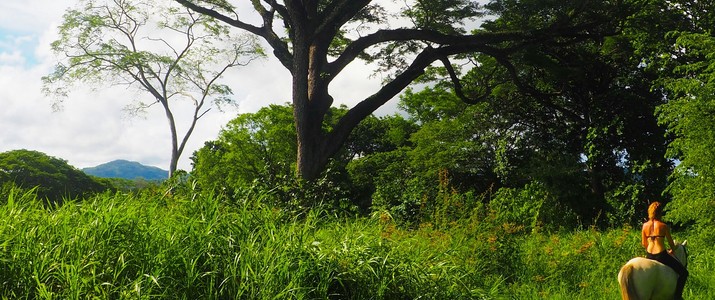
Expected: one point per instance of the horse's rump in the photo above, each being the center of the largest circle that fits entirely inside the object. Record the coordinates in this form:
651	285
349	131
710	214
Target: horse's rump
642	278
625	275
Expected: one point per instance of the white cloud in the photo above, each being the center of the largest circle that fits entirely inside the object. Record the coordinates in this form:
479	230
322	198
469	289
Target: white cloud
31	15
92	128
11	58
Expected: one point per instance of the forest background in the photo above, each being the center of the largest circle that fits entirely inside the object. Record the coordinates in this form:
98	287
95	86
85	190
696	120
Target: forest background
534	190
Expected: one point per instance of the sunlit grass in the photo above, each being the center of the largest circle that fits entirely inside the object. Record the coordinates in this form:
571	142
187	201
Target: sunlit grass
119	246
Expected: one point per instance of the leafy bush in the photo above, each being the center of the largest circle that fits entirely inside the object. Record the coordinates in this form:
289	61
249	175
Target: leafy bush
627	205
53	178
531	207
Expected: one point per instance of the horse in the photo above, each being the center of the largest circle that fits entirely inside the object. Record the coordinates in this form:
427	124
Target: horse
641	278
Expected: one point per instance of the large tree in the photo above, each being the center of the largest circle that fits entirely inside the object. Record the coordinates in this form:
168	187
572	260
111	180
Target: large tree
261	147
578	118
324	37
158	47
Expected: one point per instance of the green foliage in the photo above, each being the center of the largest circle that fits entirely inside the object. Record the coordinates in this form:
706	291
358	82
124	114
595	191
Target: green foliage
463	144
689	117
379	134
392	184
195	245
53	179
257	146
329	193
443	15
451	142
121	246
577	118
431	104
625	204
128	185
259	150
525	14
531	207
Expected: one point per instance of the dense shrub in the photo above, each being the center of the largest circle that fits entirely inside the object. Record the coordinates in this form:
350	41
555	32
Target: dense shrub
52	177
531	207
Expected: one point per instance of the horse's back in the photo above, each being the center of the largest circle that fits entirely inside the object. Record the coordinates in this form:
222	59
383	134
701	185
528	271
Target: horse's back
649	279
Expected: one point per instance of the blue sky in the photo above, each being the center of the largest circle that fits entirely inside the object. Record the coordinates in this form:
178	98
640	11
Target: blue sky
92	128
16	47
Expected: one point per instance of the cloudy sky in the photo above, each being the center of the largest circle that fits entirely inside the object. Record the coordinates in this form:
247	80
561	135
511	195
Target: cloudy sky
92	128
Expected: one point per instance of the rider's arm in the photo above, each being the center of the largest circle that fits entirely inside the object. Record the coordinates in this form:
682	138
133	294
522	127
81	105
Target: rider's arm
669	237
644	237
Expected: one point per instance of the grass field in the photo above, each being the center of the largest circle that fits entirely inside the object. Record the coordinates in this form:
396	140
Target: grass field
118	246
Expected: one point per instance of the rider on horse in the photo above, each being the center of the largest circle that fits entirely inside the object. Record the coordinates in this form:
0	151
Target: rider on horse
654	234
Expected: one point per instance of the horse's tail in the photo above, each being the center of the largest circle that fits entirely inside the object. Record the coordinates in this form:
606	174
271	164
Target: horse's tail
628	291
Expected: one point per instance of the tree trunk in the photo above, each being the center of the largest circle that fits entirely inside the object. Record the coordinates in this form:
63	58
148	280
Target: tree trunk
311	160
311	100
173	163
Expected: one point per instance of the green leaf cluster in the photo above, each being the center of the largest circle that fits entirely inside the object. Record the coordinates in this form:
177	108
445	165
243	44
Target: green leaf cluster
690	117
252	147
446	16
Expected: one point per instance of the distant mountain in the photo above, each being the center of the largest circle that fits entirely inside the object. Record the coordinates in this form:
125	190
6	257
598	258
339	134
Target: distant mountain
127	170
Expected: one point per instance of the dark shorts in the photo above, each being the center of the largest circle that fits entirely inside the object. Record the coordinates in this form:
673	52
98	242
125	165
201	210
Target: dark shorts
668	260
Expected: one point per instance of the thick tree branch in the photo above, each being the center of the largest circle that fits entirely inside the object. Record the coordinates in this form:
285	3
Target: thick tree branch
219	16
541	97
570	34
458	89
357	47
366	107
280	48
282	11
336	14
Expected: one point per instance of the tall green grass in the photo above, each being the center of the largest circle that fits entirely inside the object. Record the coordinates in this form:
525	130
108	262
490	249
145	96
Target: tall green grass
121	246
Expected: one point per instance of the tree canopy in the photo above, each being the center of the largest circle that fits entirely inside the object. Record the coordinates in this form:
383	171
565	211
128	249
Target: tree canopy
157	47
53	178
690	118
316	40
561	94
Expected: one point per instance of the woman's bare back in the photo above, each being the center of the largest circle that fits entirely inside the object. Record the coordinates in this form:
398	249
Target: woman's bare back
654	235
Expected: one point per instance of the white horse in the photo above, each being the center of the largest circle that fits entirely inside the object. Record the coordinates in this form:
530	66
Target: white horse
641	278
